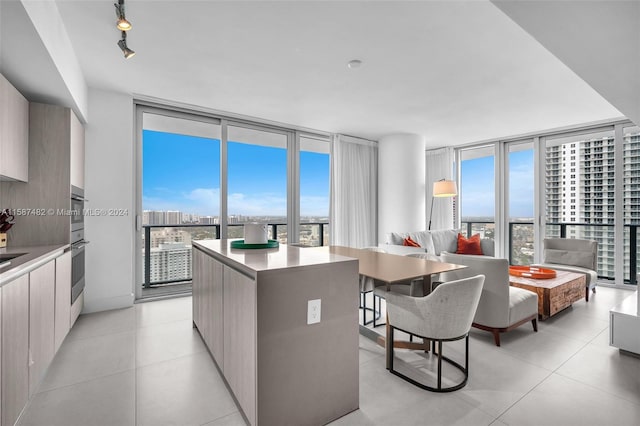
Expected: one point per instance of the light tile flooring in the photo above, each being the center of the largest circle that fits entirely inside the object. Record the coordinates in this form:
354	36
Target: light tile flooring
146	365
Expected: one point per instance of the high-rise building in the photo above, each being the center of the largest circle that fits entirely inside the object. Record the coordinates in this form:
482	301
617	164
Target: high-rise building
169	262
580	189
162	236
174	217
153	217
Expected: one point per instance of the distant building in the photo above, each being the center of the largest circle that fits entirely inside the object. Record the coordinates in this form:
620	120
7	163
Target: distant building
153	217
174	217
169	261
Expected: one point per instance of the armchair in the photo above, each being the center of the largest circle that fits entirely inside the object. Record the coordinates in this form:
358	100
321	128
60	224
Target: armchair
502	307
573	255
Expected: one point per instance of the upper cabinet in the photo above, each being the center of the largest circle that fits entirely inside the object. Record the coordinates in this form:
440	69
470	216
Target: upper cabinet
14	133
77	152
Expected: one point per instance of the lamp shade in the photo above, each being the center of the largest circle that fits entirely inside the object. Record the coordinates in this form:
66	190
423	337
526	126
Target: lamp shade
445	188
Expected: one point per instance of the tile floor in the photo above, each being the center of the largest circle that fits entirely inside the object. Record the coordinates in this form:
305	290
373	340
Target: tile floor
146	365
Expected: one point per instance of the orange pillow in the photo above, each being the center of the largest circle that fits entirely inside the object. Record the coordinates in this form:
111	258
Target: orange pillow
469	245
409	242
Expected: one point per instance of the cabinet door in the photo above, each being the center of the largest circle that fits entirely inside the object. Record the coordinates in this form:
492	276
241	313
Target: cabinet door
213	298
15	348
240	339
63	299
77	152
14	132
41	322
196	289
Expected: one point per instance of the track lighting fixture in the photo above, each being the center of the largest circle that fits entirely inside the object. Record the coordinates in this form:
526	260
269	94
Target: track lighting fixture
122	24
123	45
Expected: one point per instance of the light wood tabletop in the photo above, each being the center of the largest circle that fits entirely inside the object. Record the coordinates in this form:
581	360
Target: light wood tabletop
392	268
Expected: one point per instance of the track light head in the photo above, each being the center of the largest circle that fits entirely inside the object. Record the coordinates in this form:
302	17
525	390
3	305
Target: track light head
122	24
122	43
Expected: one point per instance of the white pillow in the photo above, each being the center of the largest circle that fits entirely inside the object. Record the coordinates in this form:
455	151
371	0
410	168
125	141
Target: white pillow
444	240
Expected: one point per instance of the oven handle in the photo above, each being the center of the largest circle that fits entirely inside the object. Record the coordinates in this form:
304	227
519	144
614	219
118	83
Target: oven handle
78	245
79	198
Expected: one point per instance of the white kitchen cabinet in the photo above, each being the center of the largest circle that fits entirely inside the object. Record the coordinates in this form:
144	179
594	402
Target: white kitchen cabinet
41	322
63	298
207	302
15	348
14	133
77	151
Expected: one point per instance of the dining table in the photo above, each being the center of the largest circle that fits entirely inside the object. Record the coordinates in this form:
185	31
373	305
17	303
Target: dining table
393	269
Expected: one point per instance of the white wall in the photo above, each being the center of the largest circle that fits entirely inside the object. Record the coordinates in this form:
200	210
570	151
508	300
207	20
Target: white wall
401	184
109	184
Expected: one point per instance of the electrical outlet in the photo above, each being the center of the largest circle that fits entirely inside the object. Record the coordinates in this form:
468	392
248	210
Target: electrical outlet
313	311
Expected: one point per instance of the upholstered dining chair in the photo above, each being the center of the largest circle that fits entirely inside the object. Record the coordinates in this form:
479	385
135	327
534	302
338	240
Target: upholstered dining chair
444	315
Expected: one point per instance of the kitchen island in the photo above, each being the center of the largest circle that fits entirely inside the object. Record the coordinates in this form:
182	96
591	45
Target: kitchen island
253	311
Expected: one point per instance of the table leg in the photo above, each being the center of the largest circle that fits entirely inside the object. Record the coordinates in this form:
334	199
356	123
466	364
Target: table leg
426	285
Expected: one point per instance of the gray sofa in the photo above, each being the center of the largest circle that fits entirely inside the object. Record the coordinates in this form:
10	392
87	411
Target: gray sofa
431	242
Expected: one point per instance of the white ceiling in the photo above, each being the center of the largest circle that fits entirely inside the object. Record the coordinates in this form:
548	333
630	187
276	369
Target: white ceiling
455	72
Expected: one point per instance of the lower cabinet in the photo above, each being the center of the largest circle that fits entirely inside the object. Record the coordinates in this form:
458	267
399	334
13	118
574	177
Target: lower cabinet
63	298
42	282
34	319
207	302
15	348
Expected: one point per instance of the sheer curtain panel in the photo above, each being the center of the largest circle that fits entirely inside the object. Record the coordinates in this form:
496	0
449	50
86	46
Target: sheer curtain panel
354	192
439	165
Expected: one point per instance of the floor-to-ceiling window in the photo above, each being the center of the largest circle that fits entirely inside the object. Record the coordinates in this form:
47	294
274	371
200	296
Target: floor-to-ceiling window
631	201
580	191
576	183
521	179
314	191
477	191
257	180
180	197
202	176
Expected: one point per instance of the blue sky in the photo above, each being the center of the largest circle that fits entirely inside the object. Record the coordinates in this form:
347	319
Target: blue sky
477	186
183	173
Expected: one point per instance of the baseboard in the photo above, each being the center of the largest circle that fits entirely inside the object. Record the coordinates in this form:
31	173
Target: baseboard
108	304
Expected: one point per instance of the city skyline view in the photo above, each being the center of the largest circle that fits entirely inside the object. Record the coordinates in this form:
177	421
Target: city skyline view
182	172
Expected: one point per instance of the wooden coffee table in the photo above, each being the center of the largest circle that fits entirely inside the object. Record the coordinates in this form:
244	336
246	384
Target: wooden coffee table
554	294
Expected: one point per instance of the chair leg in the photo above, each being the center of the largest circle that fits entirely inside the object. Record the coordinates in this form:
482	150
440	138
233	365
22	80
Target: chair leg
496	337
593	289
586	293
389	346
364	309
535	324
439	364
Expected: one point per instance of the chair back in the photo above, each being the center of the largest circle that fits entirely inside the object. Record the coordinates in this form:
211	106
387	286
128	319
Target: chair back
493	310
447	313
426	256
571	251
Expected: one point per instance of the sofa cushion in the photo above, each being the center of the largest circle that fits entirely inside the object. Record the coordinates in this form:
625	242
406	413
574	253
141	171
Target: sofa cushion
569	257
522	304
444	240
396	238
469	245
400	249
409	242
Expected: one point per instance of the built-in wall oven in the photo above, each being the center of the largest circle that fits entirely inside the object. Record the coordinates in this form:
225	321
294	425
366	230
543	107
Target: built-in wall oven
78	242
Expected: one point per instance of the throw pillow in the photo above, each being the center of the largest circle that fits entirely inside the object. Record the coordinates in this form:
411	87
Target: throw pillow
444	240
469	245
409	242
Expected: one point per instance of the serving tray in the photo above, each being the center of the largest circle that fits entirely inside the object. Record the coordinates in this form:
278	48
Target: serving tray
240	244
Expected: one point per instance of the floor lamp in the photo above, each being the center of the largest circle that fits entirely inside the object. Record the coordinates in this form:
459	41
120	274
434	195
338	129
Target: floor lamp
441	189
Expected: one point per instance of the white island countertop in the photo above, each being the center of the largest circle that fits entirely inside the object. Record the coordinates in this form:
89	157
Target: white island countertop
259	260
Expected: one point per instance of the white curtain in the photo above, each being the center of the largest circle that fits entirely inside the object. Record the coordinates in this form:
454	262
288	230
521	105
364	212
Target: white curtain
354	192
439	165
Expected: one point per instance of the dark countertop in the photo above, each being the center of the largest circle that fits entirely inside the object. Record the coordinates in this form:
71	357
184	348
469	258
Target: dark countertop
34	257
